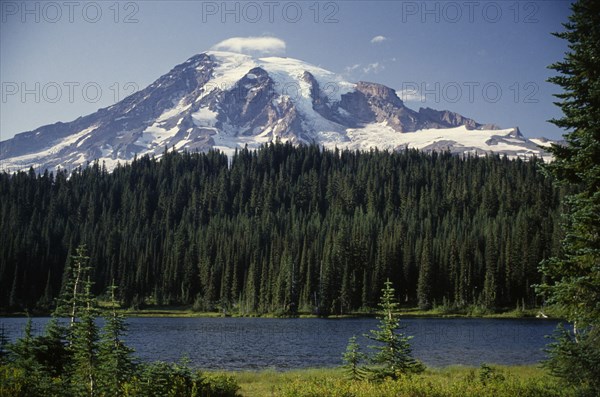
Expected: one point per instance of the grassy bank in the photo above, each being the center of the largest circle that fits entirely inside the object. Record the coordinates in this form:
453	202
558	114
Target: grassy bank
470	312
438	312
456	381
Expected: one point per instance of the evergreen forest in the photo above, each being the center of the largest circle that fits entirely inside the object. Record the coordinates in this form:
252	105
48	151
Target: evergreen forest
283	230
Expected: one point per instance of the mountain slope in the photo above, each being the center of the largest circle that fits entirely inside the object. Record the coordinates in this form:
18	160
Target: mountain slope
226	101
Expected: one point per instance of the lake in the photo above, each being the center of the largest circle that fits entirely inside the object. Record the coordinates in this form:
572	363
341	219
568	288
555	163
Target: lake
259	343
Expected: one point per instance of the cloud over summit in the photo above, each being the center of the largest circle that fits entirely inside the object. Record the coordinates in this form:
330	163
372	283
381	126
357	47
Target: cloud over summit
252	45
378	39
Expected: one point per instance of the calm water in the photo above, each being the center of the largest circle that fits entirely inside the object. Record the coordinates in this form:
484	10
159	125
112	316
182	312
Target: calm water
255	343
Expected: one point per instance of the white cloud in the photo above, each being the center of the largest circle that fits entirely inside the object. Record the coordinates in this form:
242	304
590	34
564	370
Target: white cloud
410	95
378	39
373	68
252	45
350	69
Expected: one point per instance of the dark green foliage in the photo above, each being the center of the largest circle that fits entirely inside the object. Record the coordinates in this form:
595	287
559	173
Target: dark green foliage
425	284
32	364
576	360
154	379
53	354
76	293
393	353
281	229
572	278
116	364
24	351
163	379
84	342
353	359
82	360
489	374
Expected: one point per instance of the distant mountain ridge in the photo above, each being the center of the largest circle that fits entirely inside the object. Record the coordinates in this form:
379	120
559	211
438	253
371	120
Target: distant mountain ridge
227	100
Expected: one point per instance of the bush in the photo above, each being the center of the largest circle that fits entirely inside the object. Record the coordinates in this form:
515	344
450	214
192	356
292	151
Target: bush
161	379
489	374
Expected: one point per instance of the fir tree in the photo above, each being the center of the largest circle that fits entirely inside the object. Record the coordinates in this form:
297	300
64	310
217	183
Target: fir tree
54	355
83	336
115	359
74	295
352	359
424	286
23	350
24	354
573	278
489	289
393	353
84	344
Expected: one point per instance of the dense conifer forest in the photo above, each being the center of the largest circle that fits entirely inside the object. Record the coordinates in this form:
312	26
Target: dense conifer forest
283	229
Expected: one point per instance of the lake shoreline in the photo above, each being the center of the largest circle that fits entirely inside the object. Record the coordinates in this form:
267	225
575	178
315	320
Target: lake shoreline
186	312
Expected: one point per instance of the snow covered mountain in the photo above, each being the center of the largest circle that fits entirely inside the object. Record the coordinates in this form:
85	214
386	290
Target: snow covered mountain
227	100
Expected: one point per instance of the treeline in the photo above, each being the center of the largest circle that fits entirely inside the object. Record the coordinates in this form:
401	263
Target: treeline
283	229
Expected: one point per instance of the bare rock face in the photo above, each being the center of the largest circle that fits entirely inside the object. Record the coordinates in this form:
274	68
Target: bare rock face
376	103
357	109
431	118
386	106
227	100
373	102
249	103
320	101
379	92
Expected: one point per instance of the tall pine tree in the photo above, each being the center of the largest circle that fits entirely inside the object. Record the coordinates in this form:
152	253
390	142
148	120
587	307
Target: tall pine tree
116	364
572	280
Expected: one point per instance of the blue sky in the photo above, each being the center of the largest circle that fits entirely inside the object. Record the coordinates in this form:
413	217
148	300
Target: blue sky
484	59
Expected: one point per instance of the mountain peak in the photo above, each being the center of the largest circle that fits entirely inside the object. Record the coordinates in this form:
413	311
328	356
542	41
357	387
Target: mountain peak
227	100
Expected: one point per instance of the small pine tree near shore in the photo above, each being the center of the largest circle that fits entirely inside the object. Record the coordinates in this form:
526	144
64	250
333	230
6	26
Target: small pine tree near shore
352	358
393	353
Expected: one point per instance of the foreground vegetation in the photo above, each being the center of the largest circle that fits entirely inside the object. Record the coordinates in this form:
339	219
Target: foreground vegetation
78	359
459	381
75	357
148	380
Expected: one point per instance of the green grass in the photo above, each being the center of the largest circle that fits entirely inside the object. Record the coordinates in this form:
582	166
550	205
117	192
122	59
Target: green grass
453	381
441	311
269	382
407	312
437	312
